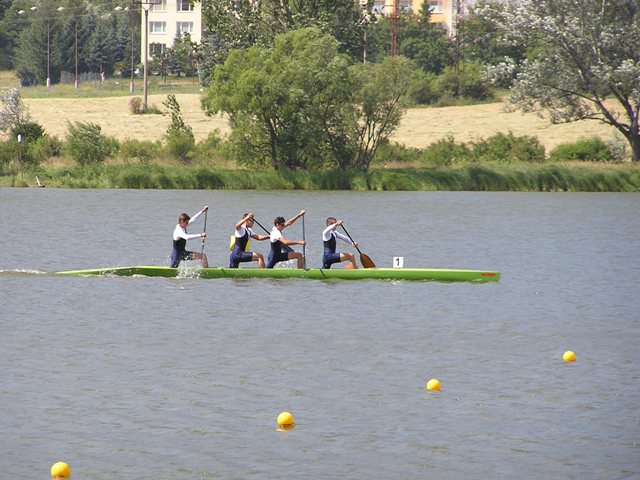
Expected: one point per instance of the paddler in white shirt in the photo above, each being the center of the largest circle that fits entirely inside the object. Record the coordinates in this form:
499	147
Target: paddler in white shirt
180	237
329	236
277	240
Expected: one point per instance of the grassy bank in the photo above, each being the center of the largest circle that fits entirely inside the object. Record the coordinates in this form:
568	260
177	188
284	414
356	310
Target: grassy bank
513	177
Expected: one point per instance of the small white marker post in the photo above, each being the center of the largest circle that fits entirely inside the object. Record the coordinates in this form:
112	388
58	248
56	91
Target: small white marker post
398	262
20	148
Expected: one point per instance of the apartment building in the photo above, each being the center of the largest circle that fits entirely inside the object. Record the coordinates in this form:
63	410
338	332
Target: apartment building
167	19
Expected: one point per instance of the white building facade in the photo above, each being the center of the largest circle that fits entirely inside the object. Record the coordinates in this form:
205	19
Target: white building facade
167	19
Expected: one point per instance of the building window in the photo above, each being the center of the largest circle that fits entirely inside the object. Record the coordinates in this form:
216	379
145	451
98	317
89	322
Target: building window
158	6
158	27
405	6
378	7
184	27
435	6
157	49
184	6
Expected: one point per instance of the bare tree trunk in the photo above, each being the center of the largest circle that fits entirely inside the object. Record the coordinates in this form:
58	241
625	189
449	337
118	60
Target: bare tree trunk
634	140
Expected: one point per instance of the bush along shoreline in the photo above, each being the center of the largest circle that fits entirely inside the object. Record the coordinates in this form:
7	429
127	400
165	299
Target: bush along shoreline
521	177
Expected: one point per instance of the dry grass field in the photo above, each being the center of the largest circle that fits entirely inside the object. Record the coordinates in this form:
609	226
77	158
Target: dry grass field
113	115
420	126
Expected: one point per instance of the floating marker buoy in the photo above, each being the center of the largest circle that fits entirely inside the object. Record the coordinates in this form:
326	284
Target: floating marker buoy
60	470
569	356
433	384
285	418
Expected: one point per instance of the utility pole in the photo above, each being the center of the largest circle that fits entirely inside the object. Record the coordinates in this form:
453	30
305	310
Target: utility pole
457	8
75	79
146	5
394	28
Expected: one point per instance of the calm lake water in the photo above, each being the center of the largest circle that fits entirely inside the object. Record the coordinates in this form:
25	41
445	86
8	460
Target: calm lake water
152	378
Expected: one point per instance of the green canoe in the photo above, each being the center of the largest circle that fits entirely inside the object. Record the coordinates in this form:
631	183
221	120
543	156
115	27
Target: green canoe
442	275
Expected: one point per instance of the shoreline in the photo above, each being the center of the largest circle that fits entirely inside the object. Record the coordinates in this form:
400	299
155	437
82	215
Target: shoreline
519	177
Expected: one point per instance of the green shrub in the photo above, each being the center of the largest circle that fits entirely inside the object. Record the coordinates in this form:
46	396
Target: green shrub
508	148
86	144
467	81
211	148
142	150
44	148
52	145
446	99
445	152
590	149
180	145
392	152
179	136
424	91
113	146
30	131
16	155
8	154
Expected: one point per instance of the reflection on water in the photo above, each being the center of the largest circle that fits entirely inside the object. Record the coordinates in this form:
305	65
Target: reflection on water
184	378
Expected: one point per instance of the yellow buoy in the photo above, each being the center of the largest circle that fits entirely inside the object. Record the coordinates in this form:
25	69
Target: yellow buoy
433	384
60	470
285	418
569	356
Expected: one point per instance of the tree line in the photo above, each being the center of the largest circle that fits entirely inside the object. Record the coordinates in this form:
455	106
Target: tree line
567	59
40	39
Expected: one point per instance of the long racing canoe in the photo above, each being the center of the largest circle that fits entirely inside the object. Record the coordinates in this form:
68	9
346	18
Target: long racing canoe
436	274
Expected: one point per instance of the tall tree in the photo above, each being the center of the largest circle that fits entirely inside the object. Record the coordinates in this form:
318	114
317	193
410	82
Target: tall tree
99	51
9	30
583	60
303	104
480	40
244	23
425	42
181	56
38	53
72	23
271	97
127	37
378	104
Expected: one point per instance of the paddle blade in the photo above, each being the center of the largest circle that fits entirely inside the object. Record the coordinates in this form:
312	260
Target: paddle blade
366	261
